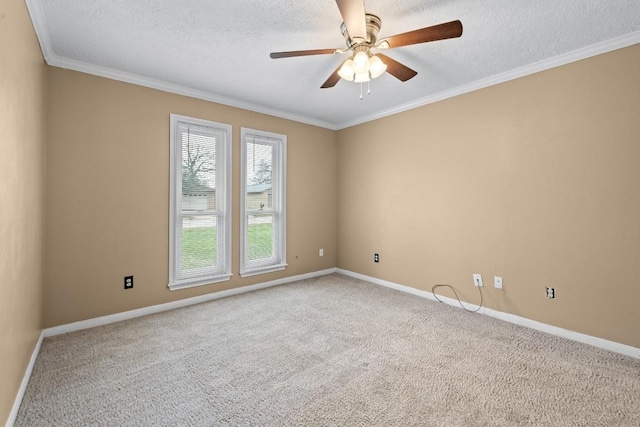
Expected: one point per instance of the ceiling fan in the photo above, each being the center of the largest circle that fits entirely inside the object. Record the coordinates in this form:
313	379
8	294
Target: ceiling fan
360	31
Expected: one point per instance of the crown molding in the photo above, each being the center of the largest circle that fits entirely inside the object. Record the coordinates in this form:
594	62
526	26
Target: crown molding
34	7
51	58
109	73
557	61
40	26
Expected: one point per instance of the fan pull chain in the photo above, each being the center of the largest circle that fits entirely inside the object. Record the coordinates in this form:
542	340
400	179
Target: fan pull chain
368	89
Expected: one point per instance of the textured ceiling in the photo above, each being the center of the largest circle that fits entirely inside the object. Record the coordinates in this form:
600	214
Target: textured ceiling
219	50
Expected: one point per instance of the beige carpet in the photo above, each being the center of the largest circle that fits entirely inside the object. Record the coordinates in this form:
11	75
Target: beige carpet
326	351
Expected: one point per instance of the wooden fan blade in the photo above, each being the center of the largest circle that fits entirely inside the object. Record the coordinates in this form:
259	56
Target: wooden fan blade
353	15
396	69
276	55
448	30
332	80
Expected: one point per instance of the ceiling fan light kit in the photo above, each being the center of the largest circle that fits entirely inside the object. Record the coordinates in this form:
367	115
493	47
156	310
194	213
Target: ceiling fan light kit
346	71
376	67
360	31
362	68
361	62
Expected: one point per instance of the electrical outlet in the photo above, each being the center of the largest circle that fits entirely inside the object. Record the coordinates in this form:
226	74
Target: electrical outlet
321	252
497	282
128	282
376	258
551	292
477	279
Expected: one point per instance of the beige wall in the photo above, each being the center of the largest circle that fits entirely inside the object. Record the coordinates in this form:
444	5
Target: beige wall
533	180
108	194
536	180
22	81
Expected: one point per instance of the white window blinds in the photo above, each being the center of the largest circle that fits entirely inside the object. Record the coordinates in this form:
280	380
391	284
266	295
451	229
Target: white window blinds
200	203
263	202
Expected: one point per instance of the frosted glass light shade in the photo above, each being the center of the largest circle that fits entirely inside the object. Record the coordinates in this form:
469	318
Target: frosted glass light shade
362	77
377	67
361	62
346	71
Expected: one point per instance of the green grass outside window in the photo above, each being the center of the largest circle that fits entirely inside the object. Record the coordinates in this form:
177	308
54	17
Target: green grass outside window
199	245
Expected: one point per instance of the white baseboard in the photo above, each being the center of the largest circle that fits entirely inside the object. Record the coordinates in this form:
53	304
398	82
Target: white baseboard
25	380
112	318
616	347
104	320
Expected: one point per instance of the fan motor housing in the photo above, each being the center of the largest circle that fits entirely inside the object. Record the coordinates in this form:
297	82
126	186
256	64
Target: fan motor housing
373	24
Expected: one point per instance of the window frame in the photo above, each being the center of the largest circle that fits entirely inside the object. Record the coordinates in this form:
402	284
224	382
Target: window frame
223	196
277	262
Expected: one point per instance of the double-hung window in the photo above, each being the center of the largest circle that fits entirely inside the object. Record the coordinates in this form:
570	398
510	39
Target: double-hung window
262	202
200	202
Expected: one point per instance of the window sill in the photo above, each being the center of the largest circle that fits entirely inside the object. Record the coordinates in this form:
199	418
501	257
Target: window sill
198	281
262	270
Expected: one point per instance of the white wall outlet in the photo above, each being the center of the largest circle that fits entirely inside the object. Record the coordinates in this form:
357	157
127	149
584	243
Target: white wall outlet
477	279
321	252
497	282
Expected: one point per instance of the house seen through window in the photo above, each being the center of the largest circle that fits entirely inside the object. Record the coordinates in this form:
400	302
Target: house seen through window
200	219
263	178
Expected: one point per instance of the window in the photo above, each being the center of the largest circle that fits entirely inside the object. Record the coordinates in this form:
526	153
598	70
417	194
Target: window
200	202
262	202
